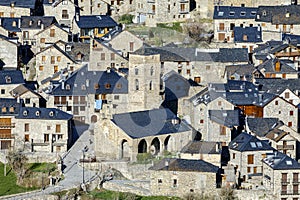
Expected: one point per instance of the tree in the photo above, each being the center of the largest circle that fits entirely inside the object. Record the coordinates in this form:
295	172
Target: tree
18	161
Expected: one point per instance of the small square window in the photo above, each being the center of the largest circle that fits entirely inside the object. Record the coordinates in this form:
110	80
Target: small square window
2	91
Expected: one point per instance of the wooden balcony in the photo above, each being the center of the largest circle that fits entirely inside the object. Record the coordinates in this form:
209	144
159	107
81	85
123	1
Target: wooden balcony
6	136
285	181
7	125
289	192
285	147
287	54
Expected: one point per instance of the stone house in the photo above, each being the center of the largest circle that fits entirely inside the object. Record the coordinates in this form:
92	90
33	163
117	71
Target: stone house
11	27
9	80
202	150
240	72
284	111
280	136
222	125
31	25
80	52
17	8
92	26
95	7
277	19
153	12
127	135
9	53
281	175
247	37
53	134
246	153
51	60
103	56
290	96
226	18
90	95
118	8
181	177
63	10
50	35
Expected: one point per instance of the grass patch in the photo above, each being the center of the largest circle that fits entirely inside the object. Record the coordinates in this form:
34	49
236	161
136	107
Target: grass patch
126	19
8	183
176	26
42	167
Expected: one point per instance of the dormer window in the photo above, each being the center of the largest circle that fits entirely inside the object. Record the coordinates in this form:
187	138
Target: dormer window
51	113
287	14
3	109
96	86
39	23
245	37
107	86
25	113
11	109
231	13
119	85
7	79
243	13
83	87
68	87
37	113
30	23
14	24
264	13
12	4
50	1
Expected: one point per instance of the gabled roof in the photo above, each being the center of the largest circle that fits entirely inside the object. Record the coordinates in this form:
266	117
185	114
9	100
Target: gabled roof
149	123
280	161
35	22
284	14
247	34
43	113
201	147
50	26
59	49
241	70
246	142
285	66
230	12
11	77
83	82
11	24
22	89
261	126
82	48
96	21
228	118
19	3
277	86
175	164
9	103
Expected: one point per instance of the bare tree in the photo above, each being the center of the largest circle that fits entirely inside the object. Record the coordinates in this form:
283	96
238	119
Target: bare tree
18	161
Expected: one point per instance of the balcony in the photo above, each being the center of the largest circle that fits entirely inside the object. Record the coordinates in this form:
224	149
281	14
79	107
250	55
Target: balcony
285	147
60	142
6	136
296	181
40	143
150	1
183	1
285	181
289	192
184	11
7	125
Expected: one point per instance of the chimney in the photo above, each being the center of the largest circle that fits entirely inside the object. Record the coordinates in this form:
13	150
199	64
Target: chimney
63	85
77	17
19	23
42	26
0	21
260	97
108	70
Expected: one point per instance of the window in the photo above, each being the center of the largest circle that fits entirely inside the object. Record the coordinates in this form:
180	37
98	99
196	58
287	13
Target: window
222	130
25	35
174	182
201	121
55	68
107	86
102	56
136	84
219	103
116	97
207	67
159	180
12	15
245	37
42	40
48	128
75	110
248	169
197	79
287	95
58	59
112	56
1	14
277	26
27	101
52	32
65	14
26	127
290	124
46	137
276	103
251	159
221	27
131	46
291	113
41	67
233	156
26	137
57	128
188	71
136	71
295	177
3	109
11	109
82	108
151	71
2	91
52	59
43	59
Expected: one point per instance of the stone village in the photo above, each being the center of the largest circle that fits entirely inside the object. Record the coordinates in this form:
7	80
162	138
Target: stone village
226	116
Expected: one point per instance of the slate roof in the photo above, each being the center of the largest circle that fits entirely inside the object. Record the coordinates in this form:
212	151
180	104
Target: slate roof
240	70
82	48
228	118
176	86
278	14
175	164
90	79
59	49
15	76
19	3
8	22
247	34
8	103
43	113
291	38
231	12
261	126
22	89
193	54
277	86
285	66
149	123
246	142
96	21
201	147
45	20
280	161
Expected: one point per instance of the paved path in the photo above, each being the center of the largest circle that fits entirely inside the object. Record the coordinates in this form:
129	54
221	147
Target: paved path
73	173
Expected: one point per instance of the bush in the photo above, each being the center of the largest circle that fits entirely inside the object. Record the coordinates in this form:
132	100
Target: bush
126	19
144	157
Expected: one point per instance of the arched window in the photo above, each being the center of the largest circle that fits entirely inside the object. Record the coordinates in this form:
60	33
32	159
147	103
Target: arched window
136	71
150	85
137	84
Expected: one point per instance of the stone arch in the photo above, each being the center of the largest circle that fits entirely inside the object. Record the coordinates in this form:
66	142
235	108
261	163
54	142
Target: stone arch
197	136
142	146
94	118
166	143
155	146
125	149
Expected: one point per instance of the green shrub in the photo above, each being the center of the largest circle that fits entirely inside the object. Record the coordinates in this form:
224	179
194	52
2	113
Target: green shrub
126	19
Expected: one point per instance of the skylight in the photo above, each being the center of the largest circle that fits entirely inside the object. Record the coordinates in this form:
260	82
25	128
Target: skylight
220	13
253	13
259	144
252	144
288	162
231	13
243	13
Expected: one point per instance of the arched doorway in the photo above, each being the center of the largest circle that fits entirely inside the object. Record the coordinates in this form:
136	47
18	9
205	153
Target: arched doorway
155	146
94	118
166	143
142	146
197	136
124	149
